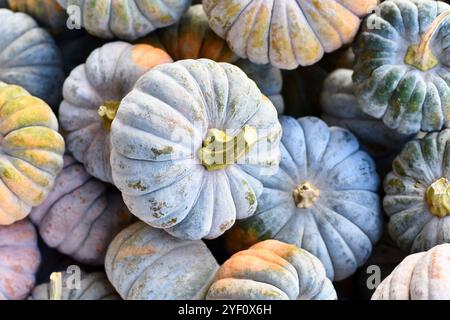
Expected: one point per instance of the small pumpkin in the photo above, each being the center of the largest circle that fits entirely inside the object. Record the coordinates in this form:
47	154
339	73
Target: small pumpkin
272	270
92	94
128	19
183	141
418	193
20	259
81	215
420	276
402	65
322	199
31	152
92	286
48	12
144	263
286	33
29	57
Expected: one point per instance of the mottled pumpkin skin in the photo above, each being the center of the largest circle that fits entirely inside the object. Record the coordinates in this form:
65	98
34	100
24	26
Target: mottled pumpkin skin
128	19
341	225
108	75
20	259
29	57
93	286
144	263
47	12
286	33
420	276
272	270
30	154
159	130
192	38
423	161
405	98
81	216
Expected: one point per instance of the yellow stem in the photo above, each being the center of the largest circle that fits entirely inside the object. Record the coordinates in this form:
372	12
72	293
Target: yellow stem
107	111
438	197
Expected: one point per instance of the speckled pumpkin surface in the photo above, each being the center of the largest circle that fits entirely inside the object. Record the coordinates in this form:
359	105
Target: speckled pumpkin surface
420	276
323	198
29	57
286	33
81	215
20	258
93	286
402	65
272	270
418	193
128	19
92	94
184	141
47	12
144	263
31	152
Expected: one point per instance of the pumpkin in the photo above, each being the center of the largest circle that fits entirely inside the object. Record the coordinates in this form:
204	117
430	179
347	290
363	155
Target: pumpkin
192	38
29	57
420	276
144	263
92	94
272	270
322	199
31	152
20	259
93	286
398	77
183	142
129	19
81	215
48	12
286	33
418	193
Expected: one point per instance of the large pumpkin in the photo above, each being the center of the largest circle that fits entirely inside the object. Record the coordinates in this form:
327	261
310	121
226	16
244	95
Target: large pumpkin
47	12
418	193
93	286
420	276
92	94
81	215
29	57
402	65
286	33
144	263
272	270
31	152
20	258
322	199
183	142
126	19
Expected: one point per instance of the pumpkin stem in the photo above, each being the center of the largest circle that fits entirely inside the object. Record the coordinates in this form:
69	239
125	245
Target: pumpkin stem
420	55
438	197
55	286
305	195
221	150
107	111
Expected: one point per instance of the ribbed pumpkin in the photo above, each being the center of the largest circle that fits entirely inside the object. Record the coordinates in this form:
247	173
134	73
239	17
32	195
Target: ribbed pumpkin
29	57
81	215
272	270
192	38
93	286
322	199
402	65
183	141
144	263
92	94
420	276
128	19
418	193
20	258
31	152
47	12
286	33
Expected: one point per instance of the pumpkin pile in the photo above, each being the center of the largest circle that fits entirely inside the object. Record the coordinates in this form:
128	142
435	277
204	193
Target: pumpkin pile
241	149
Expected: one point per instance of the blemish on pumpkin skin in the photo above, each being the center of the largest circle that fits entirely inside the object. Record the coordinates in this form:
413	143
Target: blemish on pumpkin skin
137	186
135	251
163	151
